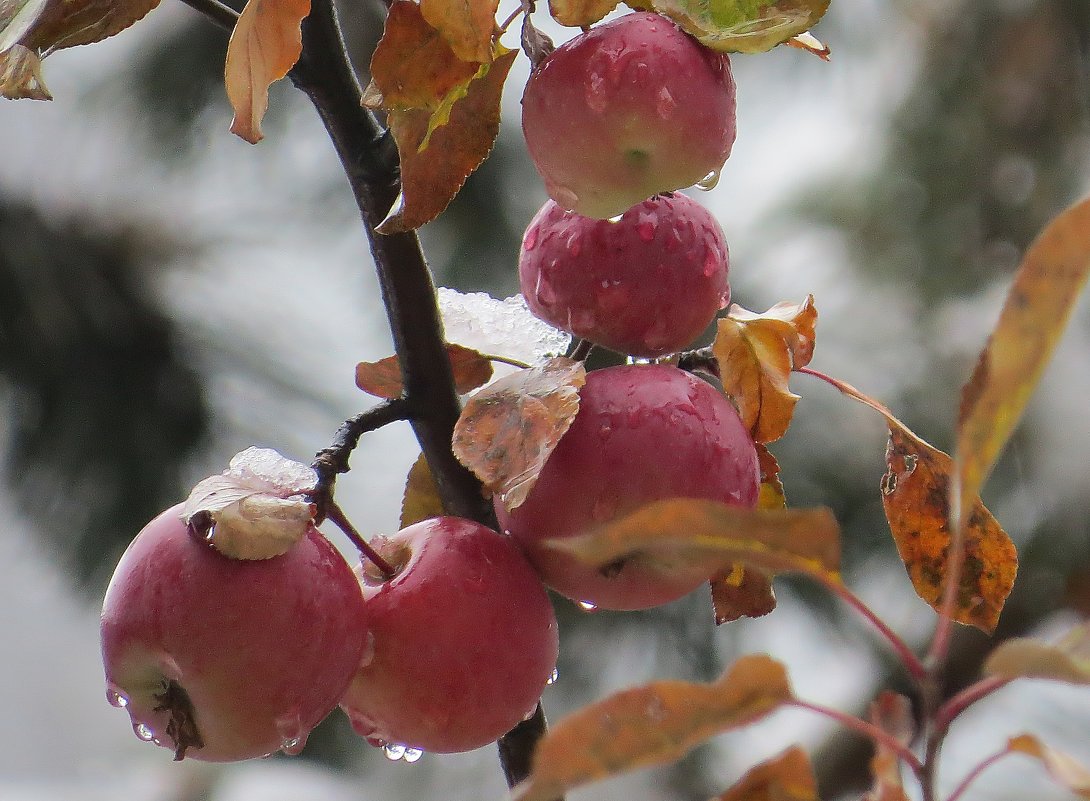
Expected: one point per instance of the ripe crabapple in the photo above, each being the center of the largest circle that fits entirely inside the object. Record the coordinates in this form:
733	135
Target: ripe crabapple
465	639
646	285
223	659
629	109
643	433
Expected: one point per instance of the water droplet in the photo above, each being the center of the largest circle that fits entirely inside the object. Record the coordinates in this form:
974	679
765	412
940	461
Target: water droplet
712	262
143	732
210	534
293	735
529	242
544	291
394	751
116	697
293	745
368	651
709	181
412	755
575	247
595	92
587	606
553	677
665	105
646	230
565	197
616	218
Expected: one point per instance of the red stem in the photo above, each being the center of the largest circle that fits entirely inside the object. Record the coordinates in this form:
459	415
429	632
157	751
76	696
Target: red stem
972	775
963	700
875	733
336	516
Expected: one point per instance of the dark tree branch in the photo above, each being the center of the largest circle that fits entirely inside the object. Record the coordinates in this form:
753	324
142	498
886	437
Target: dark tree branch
222	15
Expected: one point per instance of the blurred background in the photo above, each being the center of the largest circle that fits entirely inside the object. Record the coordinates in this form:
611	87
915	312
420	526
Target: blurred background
170	295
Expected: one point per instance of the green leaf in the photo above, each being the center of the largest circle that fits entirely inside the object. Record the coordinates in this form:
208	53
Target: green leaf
742	26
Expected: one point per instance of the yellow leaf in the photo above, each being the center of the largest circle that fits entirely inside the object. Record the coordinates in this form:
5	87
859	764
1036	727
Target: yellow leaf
21	75
756	353
508	429
466	25
382	379
580	13
1064	769
650	725
1068	660
712	537
421	500
786	777
265	44
1048	283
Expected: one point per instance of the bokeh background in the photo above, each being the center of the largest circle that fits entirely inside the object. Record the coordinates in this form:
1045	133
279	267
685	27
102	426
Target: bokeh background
170	295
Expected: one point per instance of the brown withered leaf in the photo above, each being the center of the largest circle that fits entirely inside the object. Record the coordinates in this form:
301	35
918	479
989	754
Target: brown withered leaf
29	28
788	776
891	712
756	353
713	536
508	429
444	112
1063	768
746	591
650	725
1046	288
382	379
580	13
916	496
466	27
265	44
1025	658
421	500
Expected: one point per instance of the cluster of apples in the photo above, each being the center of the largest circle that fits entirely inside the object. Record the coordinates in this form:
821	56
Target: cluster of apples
220	658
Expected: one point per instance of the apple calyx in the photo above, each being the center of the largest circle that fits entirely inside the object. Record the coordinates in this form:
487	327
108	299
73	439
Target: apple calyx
255	509
182	726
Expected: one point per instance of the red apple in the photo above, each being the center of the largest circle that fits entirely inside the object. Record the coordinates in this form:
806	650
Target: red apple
223	659
646	285
629	109
464	639
643	433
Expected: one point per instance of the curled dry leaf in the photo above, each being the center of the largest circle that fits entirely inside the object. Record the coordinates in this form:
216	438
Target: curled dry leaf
746	591
1064	769
508	429
650	725
383	378
756	353
741	26
580	13
29	28
714	537
265	44
916	491
256	507
1025	658
421	500
444	112
1046	287
788	776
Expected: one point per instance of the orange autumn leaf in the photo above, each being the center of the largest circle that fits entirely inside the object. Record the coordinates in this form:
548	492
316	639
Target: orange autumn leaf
31	28
382	379
892	713
508	430
788	776
265	44
650	725
421	500
1046	287
756	354
466	27
916	492
1067	660
745	591
580	13
712	537
1063	768
444	113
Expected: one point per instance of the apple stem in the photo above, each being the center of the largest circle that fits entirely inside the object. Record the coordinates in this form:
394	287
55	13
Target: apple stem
337	517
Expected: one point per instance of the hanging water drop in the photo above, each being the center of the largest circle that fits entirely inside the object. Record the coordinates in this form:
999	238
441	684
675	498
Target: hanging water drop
116	698
587	606
709	181
143	732
553	677
394	751
412	755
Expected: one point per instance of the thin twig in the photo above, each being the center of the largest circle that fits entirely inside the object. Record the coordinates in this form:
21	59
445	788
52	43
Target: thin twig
875	733
963	700
222	15
972	775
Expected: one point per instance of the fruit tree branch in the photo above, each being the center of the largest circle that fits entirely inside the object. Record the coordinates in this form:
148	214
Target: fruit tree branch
222	15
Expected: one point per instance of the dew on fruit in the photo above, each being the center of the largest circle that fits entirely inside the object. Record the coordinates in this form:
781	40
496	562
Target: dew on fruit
595	94
412	755
587	606
116	697
709	181
144	732
368	651
293	735
665	103
529	242
647	226
553	677
711	263
565	197
393	751
575	247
